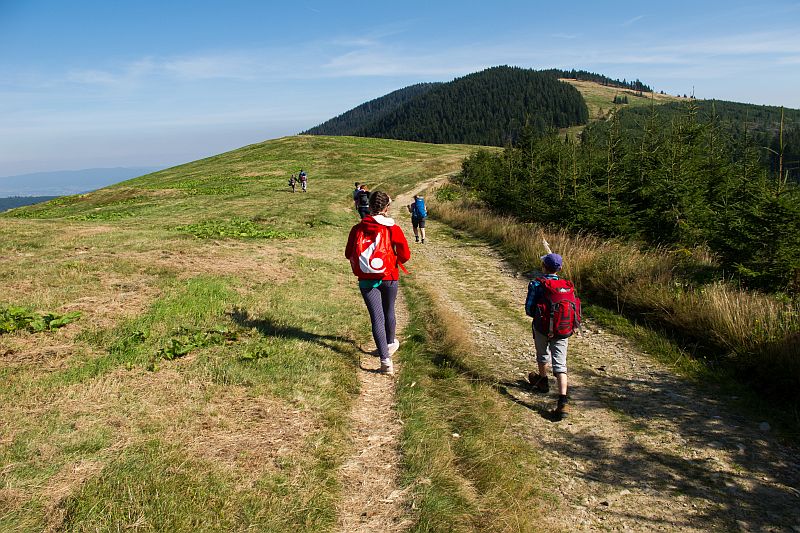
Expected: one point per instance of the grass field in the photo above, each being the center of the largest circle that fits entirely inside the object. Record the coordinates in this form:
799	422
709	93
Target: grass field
207	381
600	98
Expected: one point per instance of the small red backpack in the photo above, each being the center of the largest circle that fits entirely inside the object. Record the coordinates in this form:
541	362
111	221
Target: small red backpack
372	253
558	312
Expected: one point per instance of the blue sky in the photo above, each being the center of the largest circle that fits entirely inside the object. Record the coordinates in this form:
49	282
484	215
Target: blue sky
144	83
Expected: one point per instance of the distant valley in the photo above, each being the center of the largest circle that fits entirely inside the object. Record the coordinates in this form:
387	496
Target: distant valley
64	182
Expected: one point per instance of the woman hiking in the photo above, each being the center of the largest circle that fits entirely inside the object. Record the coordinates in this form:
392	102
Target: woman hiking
376	247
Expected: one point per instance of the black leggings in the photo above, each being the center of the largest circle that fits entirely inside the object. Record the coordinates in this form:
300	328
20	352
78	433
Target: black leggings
380	304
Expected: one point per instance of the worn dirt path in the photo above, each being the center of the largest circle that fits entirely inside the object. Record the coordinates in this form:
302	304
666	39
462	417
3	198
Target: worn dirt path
644	450
372	499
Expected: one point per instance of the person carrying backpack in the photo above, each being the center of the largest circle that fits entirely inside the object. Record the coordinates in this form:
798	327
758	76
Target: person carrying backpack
376	247
556	313
303	180
418	216
362	201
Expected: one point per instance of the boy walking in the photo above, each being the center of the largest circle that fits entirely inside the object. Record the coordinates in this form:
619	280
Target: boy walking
556	313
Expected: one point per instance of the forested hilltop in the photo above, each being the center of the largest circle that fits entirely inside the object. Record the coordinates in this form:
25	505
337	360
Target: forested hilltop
485	108
350	122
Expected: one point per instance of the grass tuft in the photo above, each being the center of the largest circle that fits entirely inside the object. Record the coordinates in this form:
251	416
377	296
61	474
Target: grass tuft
469	470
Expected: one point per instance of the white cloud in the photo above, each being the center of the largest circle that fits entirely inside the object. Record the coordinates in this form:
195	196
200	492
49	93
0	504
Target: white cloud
633	20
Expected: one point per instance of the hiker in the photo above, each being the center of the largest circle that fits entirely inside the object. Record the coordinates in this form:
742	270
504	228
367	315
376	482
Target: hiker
376	247
355	195
293	183
303	180
556	313
362	201
418	216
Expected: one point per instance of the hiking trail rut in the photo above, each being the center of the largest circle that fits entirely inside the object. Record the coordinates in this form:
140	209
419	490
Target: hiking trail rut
643	449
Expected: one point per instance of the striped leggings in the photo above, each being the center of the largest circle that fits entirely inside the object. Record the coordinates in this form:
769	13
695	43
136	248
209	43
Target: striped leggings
380	304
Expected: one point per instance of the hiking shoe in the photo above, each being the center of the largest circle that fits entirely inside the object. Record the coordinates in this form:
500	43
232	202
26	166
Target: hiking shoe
393	346
538	382
387	367
416	239
561	411
423	241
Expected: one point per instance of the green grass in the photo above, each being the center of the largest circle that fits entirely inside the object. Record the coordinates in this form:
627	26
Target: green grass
468	469
124	387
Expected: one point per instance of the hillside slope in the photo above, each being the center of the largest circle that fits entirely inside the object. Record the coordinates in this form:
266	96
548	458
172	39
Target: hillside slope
208	383
485	108
220	376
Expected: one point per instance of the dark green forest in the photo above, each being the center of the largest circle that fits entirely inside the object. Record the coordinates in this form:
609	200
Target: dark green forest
674	176
756	125
486	108
352	121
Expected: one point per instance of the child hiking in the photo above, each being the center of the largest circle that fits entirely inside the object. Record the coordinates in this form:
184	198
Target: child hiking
293	183
418	216
556	313
375	248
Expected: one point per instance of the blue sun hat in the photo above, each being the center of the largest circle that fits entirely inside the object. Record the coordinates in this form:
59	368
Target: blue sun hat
552	262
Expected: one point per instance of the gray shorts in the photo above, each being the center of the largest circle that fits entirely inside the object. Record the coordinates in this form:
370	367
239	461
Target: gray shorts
553	351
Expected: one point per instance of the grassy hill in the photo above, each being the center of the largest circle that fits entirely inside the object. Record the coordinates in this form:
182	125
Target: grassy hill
600	98
207	382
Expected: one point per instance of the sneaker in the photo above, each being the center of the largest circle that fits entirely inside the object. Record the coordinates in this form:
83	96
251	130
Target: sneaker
387	367
423	241
540	383
561	411
393	346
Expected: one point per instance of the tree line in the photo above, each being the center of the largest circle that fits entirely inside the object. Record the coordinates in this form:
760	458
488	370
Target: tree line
669	177
583	75
350	122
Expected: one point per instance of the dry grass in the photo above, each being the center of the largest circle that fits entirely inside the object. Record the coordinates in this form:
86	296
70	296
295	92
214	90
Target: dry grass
752	326
600	98
470	469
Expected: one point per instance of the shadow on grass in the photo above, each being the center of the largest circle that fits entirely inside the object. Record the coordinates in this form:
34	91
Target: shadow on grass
268	327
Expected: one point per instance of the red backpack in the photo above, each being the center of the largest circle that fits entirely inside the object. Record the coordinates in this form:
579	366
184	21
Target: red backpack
372	252
558	312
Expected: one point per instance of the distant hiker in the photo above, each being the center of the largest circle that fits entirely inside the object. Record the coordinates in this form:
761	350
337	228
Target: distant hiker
293	183
362	201
355	195
303	180
375	248
418	216
556	313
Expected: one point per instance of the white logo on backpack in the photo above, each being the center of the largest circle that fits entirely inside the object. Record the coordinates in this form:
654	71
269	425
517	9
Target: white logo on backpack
369	264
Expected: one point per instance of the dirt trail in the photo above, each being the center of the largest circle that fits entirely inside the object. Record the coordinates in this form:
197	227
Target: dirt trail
372	499
644	450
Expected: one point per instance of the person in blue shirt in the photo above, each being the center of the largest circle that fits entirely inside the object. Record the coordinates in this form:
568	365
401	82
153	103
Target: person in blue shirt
548	351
